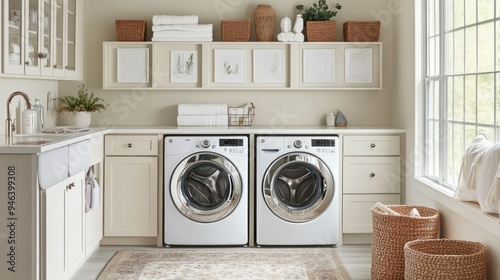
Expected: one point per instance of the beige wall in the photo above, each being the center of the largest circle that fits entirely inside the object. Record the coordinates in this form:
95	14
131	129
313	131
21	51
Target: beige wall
289	107
458	221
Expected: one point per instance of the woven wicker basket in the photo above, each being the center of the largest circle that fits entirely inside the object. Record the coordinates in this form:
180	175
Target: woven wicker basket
235	30
445	259
321	31
361	31
390	234
130	30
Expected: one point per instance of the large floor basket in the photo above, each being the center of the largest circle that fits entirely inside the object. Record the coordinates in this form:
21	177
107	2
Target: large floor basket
445	259
391	233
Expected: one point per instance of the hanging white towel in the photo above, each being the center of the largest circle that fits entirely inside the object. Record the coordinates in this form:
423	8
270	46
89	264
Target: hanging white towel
166	19
92	190
96	194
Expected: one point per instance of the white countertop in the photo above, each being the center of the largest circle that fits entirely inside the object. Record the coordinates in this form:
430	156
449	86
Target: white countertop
42	142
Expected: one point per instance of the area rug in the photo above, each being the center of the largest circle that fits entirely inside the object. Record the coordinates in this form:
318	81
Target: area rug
226	263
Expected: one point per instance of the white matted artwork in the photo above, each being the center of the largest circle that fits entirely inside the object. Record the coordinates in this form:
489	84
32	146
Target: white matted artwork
132	65
358	66
184	66
230	65
268	65
318	65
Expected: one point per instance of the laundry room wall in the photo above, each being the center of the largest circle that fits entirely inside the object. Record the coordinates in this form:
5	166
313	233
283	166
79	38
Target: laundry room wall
274	107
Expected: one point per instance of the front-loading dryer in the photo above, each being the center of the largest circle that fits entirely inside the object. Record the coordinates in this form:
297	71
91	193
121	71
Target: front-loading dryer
297	191
206	190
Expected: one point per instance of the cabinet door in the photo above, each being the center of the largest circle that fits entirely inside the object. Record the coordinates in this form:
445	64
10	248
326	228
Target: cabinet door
371	175
356	211
75	224
13	48
53	247
130	196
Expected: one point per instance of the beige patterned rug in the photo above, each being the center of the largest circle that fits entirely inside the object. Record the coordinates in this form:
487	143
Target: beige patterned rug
226	263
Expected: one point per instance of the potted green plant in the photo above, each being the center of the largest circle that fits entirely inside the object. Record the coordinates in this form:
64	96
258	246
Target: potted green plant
79	107
317	18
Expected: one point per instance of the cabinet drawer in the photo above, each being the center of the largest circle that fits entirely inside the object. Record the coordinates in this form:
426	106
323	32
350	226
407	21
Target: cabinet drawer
126	145
356	210
371	145
371	175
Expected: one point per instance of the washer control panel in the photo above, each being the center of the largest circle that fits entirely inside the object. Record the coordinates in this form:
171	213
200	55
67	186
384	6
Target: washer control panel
235	145
321	144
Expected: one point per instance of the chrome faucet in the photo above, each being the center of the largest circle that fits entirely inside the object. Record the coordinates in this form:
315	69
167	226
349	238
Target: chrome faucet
9	126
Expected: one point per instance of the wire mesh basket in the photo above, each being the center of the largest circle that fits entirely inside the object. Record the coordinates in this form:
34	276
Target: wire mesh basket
241	116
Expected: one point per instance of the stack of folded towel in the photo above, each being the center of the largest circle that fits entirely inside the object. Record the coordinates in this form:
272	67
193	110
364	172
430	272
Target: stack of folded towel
202	115
180	28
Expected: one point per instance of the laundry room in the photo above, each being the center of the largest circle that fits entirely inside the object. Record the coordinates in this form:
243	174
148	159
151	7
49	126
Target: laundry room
182	136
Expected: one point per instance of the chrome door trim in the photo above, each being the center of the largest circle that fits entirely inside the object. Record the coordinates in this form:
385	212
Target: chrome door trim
225	207
298	214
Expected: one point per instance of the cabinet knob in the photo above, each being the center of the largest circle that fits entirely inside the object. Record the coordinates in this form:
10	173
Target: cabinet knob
27	62
70	186
373	145
129	145
372	174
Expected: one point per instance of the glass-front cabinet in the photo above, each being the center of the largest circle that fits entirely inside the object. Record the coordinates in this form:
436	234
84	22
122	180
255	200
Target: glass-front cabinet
42	38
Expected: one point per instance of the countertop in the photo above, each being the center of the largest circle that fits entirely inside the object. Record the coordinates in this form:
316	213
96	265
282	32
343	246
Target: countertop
42	142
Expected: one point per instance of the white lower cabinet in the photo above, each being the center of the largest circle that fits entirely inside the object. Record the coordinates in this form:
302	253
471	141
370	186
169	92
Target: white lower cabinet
131	185
63	228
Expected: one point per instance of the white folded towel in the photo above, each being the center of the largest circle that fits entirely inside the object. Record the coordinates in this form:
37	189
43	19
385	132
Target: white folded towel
166	19
184	27
384	209
174	34
201	109
202	120
193	39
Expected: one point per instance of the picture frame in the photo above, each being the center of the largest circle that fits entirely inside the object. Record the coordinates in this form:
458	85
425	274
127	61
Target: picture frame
184	66
318	65
268	65
132	65
230	65
358	65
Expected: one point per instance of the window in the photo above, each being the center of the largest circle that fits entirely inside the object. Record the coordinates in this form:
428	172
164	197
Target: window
462	81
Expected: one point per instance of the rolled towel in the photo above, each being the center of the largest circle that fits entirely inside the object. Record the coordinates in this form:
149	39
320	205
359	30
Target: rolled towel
184	27
384	209
174	34
166	19
194	39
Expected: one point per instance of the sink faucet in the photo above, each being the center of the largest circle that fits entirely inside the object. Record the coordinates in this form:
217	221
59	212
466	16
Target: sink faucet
9	127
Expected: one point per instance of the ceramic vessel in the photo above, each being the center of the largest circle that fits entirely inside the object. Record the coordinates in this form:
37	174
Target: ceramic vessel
80	119
264	20
340	119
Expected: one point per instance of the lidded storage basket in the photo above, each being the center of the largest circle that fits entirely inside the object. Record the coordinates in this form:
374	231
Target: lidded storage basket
130	30
391	233
442	259
235	30
361	31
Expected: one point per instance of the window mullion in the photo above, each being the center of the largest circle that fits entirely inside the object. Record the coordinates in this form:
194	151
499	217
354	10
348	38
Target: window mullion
443	92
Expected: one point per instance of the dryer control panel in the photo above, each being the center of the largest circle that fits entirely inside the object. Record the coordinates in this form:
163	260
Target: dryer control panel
319	145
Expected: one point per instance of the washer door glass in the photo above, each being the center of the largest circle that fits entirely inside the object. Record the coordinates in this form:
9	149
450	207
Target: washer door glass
206	187
298	187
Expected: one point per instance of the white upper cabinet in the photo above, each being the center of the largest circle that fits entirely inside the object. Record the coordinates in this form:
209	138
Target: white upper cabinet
42	38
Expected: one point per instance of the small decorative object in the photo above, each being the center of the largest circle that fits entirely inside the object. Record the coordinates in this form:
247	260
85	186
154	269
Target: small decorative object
264	19
319	26
330	120
298	27
130	30
286	24
286	34
79	107
235	30
340	120
361	31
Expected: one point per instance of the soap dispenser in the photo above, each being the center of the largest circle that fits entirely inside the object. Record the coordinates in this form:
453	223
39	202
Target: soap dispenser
29	121
39	115
330	120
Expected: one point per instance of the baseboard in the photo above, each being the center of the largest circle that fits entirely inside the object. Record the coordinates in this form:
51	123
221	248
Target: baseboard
145	241
356	238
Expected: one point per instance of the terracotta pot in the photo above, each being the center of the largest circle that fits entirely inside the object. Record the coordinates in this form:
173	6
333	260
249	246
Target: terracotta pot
321	31
264	20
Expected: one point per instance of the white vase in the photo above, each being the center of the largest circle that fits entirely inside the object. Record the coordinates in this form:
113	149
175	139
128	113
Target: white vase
80	119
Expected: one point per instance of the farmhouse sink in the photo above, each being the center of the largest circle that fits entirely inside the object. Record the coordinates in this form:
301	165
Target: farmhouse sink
33	142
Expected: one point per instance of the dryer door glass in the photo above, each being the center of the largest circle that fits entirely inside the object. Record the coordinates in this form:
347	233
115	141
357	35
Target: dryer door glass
298	187
206	187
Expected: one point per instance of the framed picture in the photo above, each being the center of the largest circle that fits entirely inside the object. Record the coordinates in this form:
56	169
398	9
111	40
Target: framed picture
318	65
132	65
230	65
358	65
184	66
268	65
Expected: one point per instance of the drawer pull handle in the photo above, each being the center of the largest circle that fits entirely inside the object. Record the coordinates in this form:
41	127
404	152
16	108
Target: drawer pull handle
70	186
372	174
373	145
129	145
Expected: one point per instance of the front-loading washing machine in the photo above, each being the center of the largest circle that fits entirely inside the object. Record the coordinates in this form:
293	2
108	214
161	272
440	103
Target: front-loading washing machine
206	190
297	190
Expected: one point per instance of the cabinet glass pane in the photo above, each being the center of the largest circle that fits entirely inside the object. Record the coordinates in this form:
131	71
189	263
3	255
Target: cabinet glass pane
32	44
59	24
15	31
71	35
46	23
